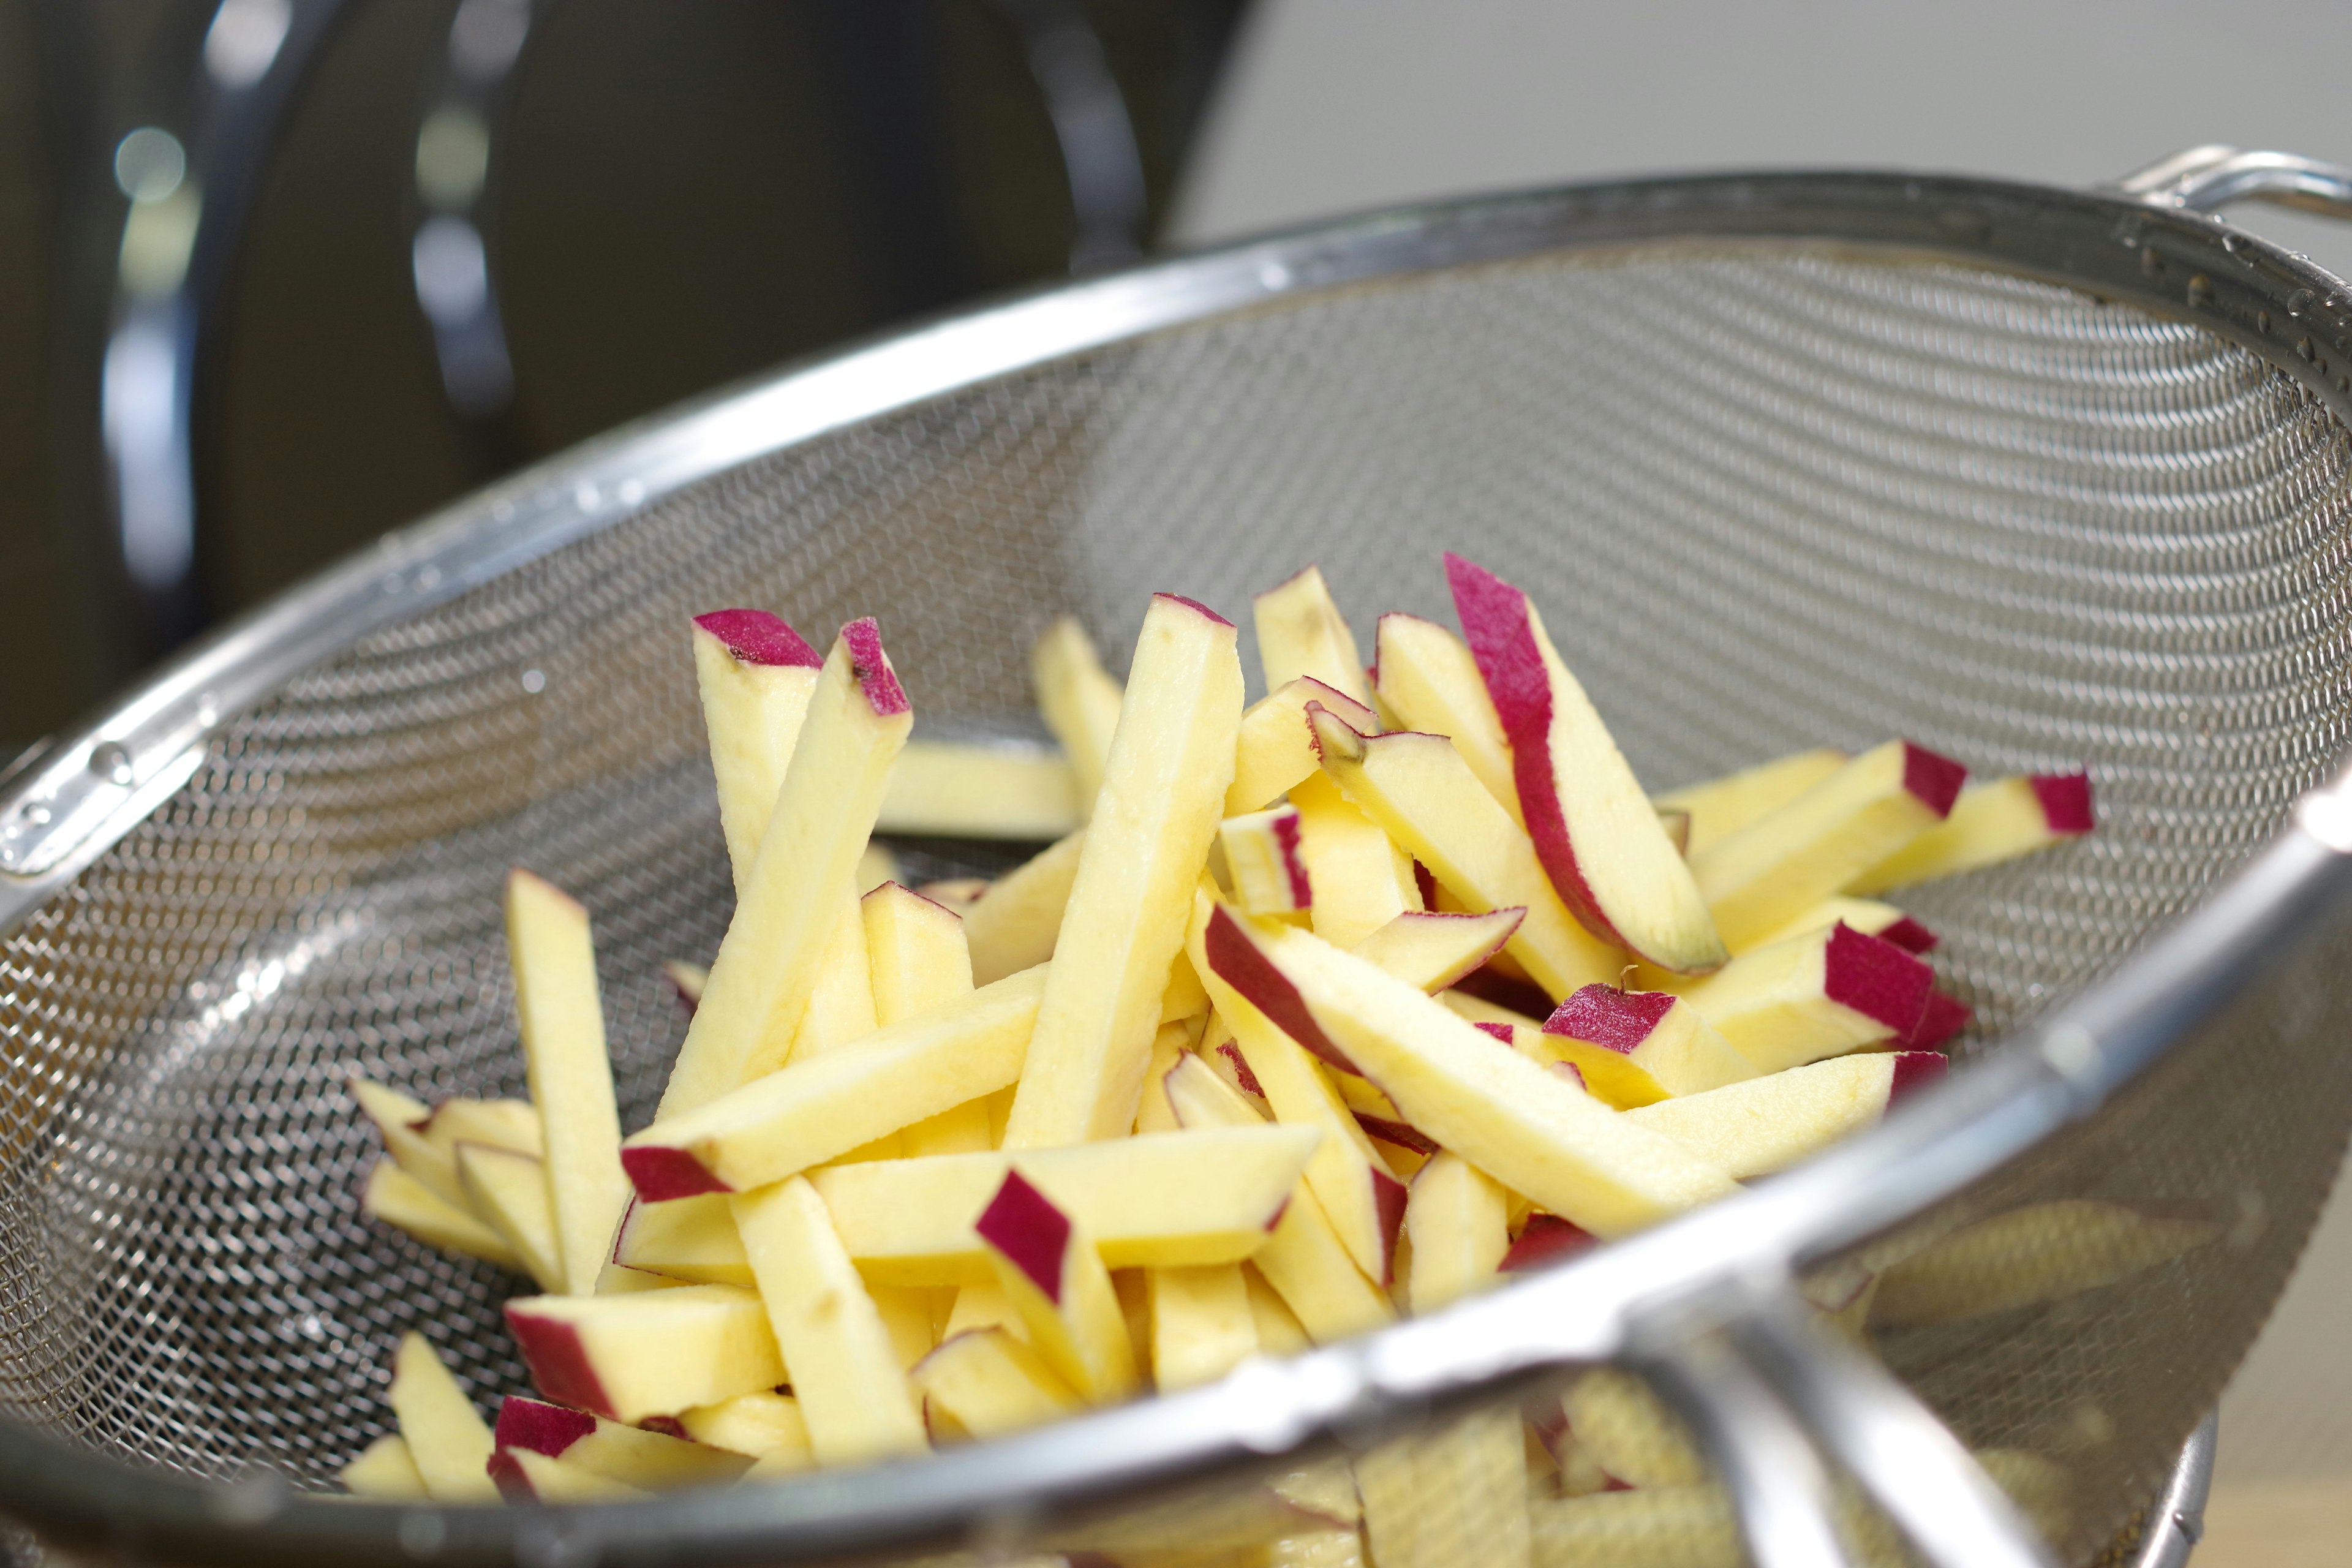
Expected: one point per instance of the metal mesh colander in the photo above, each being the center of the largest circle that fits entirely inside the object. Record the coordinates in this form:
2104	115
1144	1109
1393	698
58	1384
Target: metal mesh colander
2032	478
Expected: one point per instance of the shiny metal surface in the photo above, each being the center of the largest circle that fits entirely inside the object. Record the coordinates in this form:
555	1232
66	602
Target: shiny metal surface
1905	1459
2176	1522
1776	1483
2206	179
2027	475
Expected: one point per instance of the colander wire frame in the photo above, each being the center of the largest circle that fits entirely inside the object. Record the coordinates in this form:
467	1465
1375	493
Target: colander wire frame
1938	349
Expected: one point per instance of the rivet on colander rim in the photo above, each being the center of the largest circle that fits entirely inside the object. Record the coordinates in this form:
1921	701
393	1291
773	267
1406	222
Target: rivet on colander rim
256	1499
423	1532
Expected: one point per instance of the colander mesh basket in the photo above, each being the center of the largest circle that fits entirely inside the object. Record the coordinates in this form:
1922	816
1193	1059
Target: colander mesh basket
1770	492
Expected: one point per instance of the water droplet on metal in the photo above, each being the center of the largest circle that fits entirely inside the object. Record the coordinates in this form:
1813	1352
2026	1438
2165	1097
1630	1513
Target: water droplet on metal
428	577
2262	320
2300	302
2302	347
534	681
2149	261
2230	243
2201	292
586	497
1274	274
631	492
37	813
111	763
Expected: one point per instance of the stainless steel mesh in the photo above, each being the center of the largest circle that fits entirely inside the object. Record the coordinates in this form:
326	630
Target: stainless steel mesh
1769	498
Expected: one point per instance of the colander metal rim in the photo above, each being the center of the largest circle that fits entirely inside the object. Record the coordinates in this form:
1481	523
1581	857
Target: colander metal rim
99	782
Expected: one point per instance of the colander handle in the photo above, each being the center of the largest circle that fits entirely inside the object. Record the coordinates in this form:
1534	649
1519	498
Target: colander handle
1771	1378
2207	179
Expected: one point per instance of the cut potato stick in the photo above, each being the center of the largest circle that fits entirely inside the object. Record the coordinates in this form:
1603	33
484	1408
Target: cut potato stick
1943	1017
1347	1175
1457	1217
1201	1326
1520	1123
447	1437
563	1026
915	951
384	1469
875	866
1360	880
1632	1048
652	1460
501	1123
1185	999
1014	924
919	960
1261	848
1163	1199
1628	1433
1301	634
1155	1114
397	1116
756	675
1478	1010
984	1383
984	1305
753	1425
1170	764
768	963
1598	835
1278	1330
840	1010
1275	750
688	980
1694	1526
1418	788
824	1106
1720	807
691	1239
2043	1252
522	1476
510	1191
1769	1123
1769	872
1050	1269
1430	681
847	1374
1997	820
965	789
1430	950
654	1353
1458	1495
1079	702
400	1200
1867	916
1814	996
906	1318
1303	1260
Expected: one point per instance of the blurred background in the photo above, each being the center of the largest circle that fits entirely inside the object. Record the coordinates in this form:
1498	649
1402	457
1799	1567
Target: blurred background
278	275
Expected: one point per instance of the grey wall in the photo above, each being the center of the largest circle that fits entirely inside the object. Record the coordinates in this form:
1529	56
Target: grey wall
1333	105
